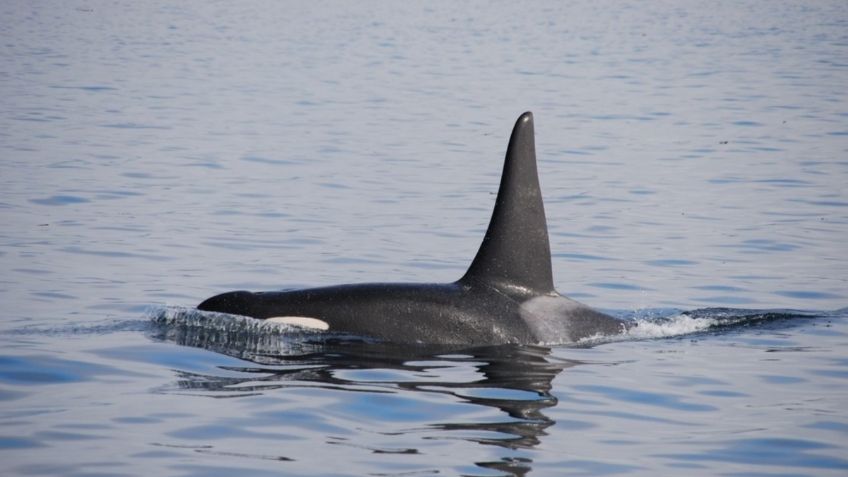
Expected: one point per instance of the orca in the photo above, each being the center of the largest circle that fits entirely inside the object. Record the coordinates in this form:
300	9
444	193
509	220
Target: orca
507	296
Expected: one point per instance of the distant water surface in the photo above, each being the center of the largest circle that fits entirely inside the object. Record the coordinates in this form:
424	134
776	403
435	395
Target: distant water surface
692	156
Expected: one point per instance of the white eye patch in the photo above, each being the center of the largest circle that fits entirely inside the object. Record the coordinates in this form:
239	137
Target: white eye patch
301	321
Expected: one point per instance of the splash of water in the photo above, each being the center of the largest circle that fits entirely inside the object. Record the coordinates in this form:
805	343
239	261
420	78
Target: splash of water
238	336
249	337
659	324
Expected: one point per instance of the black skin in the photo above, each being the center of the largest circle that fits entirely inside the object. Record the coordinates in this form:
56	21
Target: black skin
453	313
507	295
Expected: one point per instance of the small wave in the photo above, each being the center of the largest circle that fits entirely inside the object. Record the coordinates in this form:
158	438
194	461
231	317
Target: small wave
677	325
239	336
658	324
97	328
181	317
250	338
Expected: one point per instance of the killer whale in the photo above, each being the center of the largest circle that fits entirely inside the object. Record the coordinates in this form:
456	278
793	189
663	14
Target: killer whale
506	296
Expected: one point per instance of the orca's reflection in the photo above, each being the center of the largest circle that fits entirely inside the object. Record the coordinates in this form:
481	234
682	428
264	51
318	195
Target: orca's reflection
516	380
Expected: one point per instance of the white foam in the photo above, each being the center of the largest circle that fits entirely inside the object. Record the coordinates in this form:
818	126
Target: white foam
676	325
672	326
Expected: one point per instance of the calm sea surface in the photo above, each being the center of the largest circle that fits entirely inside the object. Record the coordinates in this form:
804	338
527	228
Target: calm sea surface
693	155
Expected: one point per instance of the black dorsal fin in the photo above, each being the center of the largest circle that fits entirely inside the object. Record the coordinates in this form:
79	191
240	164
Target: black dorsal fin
515	253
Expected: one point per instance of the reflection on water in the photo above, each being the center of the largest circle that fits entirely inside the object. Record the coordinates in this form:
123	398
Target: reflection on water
267	398
154	152
514	380
491	396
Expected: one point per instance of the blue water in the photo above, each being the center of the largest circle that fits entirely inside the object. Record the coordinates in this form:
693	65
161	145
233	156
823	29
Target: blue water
694	162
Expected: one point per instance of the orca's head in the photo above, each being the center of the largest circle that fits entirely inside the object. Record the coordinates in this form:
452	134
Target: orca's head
234	303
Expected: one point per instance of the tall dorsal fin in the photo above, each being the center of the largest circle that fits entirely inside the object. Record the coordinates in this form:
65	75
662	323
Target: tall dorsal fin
515	252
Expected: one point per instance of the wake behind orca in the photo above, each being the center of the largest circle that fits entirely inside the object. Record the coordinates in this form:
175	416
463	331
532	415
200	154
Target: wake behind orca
506	296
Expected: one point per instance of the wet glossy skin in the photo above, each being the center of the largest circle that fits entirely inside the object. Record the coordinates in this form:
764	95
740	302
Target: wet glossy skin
506	296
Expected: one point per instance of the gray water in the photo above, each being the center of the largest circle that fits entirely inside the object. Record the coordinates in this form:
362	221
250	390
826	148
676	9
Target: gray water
153	154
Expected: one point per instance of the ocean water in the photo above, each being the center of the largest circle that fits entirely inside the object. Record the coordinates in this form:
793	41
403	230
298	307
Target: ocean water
694	162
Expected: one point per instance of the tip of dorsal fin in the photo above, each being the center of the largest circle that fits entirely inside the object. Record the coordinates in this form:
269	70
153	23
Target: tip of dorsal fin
515	252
